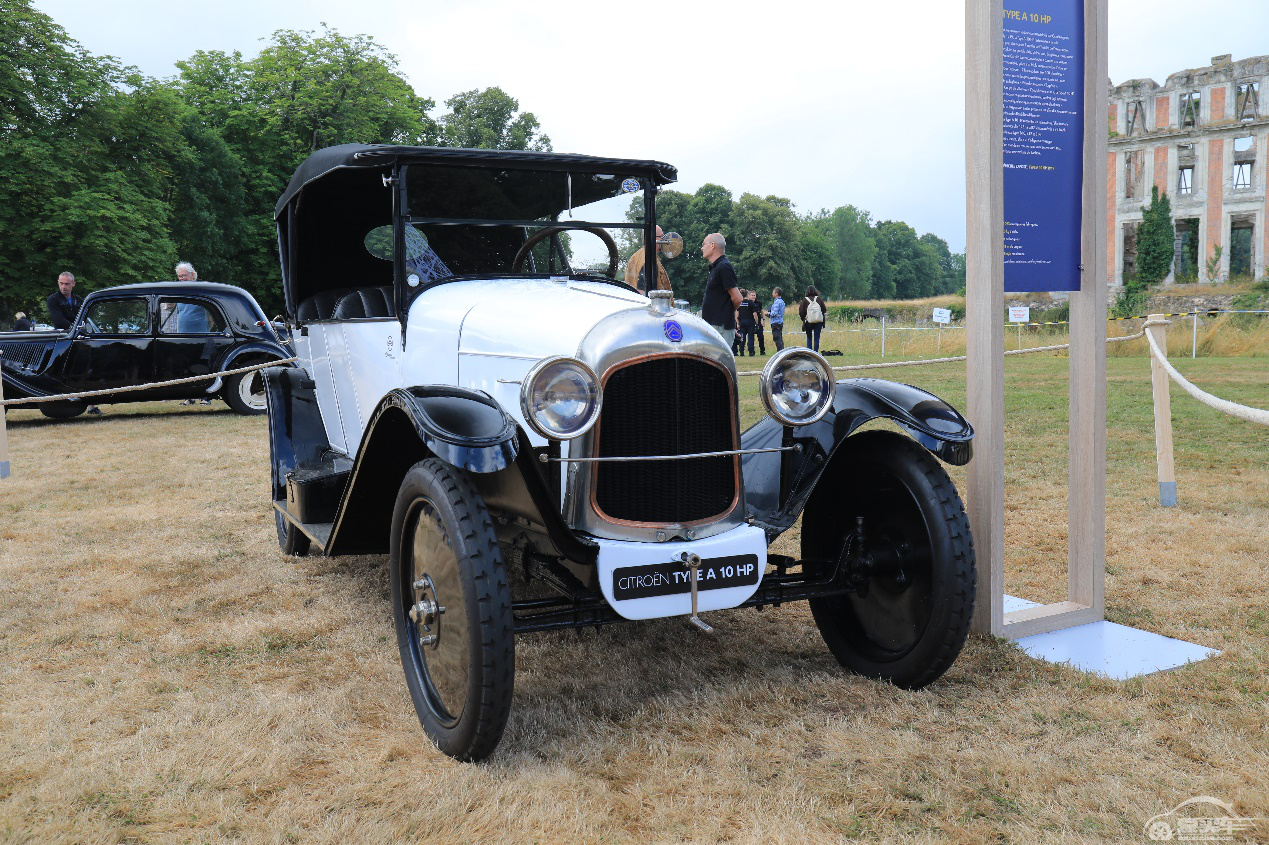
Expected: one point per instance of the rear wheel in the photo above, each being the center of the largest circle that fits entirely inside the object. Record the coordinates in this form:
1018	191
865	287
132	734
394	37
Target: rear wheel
291	539
244	393
452	608
900	531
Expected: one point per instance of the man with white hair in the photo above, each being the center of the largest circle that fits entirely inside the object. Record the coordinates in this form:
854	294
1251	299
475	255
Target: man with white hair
722	293
185	272
190	318
634	269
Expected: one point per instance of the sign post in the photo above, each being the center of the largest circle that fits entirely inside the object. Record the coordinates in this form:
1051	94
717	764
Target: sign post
942	316
1036	146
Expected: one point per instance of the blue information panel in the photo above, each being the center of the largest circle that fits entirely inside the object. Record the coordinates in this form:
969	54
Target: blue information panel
1043	143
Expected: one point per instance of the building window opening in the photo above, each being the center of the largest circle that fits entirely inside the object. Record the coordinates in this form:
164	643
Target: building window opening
1241	250
1190	104
1185	180
1242	176
1133	172
1136	118
1248	102
1185	256
1130	252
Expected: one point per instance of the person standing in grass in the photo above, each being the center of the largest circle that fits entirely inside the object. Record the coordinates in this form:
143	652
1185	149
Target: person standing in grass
722	292
747	321
812	310
758	314
777	318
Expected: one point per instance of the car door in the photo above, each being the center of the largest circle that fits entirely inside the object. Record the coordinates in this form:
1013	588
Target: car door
112	348
192	334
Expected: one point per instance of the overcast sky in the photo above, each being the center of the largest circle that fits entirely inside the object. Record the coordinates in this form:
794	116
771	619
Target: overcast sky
826	103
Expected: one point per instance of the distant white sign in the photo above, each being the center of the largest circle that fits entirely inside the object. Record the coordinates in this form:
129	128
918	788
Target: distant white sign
1019	313
942	315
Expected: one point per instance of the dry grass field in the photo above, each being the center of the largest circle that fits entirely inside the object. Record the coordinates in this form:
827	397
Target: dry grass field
166	675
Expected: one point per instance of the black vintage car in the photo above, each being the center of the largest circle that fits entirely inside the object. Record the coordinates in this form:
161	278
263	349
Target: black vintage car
137	334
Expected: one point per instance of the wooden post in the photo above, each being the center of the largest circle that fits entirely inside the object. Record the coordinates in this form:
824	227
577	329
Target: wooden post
1162	415
985	300
1086	480
4	433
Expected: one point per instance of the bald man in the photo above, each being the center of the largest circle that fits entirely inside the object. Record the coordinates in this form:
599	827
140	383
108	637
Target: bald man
722	293
634	270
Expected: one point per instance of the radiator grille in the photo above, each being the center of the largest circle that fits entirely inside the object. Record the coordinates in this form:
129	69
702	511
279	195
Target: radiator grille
23	354
667	406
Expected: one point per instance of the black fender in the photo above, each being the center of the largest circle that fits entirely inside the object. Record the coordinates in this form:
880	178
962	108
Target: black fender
464	428
235	357
297	436
778	485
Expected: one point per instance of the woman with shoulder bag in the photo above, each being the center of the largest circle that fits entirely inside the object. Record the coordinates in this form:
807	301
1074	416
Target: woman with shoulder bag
812	310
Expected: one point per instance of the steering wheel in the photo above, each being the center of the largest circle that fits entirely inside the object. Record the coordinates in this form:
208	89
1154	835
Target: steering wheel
517	263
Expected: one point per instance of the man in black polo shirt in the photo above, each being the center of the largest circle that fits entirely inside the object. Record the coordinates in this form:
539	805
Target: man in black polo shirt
722	294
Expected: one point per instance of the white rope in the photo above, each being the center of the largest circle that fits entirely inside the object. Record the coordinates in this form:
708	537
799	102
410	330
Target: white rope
888	364
1243	412
86	393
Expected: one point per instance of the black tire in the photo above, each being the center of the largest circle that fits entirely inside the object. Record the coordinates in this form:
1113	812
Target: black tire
444	553
244	393
292	540
910	622
61	412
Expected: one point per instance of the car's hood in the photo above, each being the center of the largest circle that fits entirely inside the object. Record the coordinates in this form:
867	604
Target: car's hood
534	318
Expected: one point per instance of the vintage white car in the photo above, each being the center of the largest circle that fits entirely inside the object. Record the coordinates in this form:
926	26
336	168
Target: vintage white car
537	445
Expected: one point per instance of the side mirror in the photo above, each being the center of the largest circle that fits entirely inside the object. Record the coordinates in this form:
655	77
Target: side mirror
670	244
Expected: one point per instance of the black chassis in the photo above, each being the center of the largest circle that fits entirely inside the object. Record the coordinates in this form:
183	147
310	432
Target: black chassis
344	503
51	363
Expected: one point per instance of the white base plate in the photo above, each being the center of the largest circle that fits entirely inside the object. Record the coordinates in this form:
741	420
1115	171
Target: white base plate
1108	648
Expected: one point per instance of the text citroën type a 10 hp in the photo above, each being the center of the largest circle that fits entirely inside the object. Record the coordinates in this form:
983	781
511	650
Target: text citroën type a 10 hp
492	417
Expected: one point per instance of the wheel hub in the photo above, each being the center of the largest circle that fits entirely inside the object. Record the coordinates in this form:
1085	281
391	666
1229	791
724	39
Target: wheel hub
426	612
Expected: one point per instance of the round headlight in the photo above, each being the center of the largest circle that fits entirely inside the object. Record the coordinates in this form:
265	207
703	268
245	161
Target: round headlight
560	398
797	386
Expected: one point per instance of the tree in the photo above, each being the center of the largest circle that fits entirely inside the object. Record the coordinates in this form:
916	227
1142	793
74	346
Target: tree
913	266
1155	239
817	261
488	119
764	243
852	237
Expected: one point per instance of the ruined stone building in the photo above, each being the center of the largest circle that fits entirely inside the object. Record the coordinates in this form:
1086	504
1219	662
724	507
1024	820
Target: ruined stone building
1203	137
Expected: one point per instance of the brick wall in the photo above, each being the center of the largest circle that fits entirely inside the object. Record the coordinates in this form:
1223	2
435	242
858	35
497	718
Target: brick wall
1111	175
1218	102
1163	112
1161	168
1215	198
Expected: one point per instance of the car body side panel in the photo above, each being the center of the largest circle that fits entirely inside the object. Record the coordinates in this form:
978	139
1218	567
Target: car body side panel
310	348
373	350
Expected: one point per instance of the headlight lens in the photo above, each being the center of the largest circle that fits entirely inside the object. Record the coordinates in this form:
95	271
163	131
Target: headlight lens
797	386
560	398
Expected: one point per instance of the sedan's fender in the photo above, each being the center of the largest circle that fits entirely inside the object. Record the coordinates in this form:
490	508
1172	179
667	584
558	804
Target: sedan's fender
245	352
778	485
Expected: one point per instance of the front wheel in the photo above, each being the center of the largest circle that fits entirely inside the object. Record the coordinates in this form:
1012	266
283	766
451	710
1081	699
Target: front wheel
452	608
898	528
244	393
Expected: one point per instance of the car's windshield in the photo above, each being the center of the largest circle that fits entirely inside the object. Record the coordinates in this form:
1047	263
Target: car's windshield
464	221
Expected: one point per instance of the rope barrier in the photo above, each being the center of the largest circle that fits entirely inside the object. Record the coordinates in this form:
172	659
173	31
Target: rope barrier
83	394
888	364
1256	415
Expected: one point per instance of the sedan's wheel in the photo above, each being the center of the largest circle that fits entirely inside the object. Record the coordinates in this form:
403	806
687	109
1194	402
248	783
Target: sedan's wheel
245	393
897	527
452	608
61	412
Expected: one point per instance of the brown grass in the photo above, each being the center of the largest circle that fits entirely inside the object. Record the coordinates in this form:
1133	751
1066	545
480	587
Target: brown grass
167	676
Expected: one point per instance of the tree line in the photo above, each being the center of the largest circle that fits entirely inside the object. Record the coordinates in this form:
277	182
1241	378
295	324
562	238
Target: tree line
844	253
116	176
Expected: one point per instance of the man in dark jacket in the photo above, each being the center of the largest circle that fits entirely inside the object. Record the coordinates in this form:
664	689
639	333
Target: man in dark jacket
63	306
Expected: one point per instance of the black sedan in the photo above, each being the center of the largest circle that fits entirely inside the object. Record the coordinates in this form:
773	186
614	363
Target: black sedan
133	335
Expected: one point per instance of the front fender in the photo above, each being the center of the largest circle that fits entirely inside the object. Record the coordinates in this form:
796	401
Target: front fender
778	485
464	428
